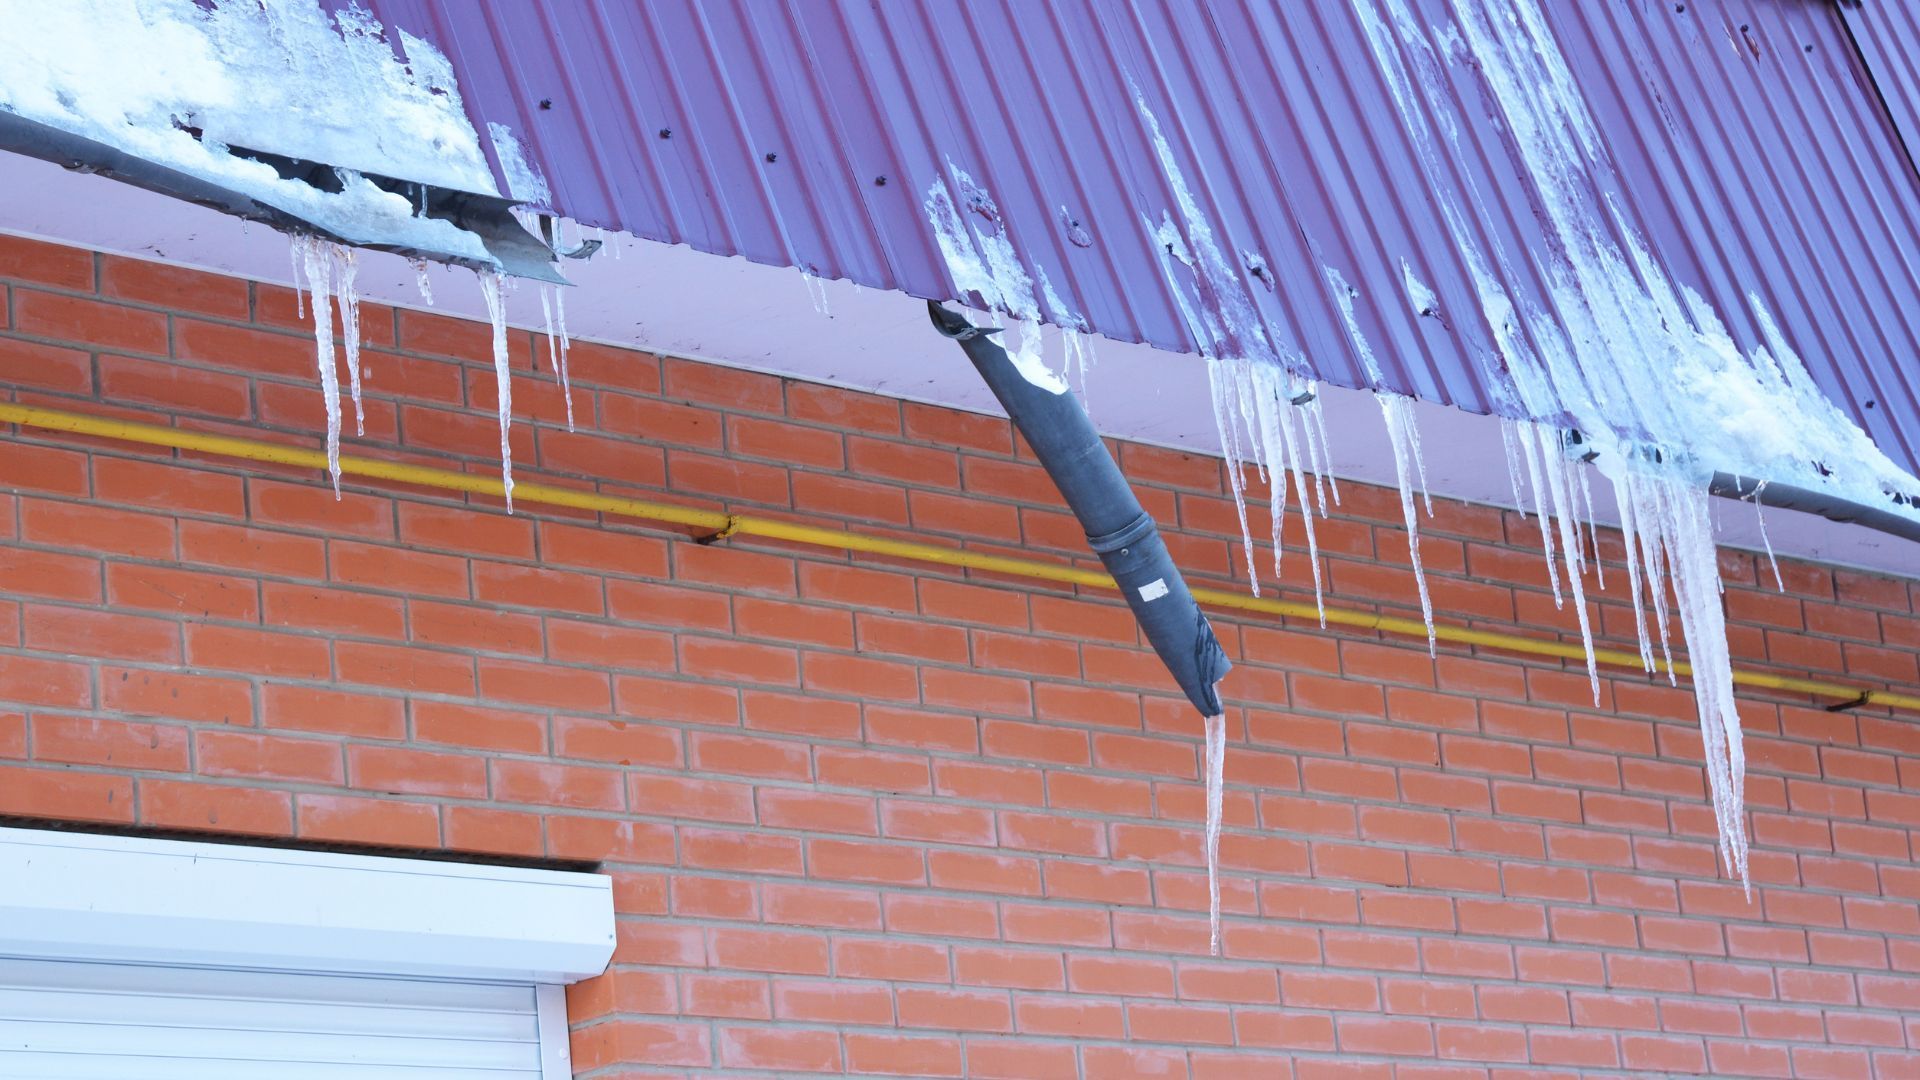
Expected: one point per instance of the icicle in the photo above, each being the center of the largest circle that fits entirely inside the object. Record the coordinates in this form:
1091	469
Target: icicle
294	253
420	279
817	292
316	261
346	269
1509	440
1216	733
502	374
1267	406
1528	444
1306	511
1321	451
1629	543
1217	373
1554	465
546	313
1404	437
1760	519
1593	527
1673	516
566	343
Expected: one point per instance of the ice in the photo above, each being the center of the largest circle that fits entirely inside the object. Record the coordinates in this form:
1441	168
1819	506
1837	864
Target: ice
524	182
1671	517
1760	519
490	290
316	263
346	270
1257	401
1642	367
817	292
1425	303
1404	437
553	302
1216	737
981	259
566	344
422	281
282	77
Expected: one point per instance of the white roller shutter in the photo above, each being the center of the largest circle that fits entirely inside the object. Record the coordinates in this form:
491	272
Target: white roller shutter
133	958
61	1020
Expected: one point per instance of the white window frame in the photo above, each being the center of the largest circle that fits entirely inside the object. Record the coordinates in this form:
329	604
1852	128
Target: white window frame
82	896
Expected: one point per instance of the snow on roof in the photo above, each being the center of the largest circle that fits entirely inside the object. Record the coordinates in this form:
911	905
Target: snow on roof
192	88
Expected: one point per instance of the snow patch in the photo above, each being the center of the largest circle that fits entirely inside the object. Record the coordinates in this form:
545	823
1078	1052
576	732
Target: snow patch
178	83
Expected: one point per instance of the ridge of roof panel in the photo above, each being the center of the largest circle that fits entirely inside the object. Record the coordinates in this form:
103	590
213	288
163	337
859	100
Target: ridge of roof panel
1755	151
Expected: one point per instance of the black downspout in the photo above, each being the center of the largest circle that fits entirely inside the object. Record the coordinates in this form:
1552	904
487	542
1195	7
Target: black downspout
1118	529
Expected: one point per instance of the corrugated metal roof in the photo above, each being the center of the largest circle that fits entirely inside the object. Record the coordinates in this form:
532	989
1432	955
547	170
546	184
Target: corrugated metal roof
1756	157
1887	35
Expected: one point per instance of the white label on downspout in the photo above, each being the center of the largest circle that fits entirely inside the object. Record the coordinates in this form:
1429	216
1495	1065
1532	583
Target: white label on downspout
1154	590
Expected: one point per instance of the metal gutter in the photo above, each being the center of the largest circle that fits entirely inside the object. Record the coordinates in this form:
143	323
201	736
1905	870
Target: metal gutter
719	524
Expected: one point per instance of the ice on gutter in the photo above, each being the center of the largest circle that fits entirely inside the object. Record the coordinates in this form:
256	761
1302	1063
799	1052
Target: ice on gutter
216	95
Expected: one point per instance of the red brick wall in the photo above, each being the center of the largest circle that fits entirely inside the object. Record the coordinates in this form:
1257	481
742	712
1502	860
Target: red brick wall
873	817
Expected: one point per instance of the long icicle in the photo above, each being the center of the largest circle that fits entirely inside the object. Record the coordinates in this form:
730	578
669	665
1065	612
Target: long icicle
1216	737
560	318
1218	371
502	374
318	265
346	268
1404	437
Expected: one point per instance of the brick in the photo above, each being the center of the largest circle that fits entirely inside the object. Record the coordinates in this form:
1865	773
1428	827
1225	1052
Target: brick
116	744
59	265
99	528
243	755
91	632
416	772
44	468
65	793
164	286
356	820
186	592
175	695
238	548
175	388
51	575
173	804
89	322
258	652
545	686
404	668
557	785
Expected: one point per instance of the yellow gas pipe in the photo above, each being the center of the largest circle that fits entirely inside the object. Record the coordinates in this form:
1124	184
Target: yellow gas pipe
722	524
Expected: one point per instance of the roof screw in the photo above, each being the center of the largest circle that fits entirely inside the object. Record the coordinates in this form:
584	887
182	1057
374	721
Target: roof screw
772	157
546	103
879	181
1680	9
666	133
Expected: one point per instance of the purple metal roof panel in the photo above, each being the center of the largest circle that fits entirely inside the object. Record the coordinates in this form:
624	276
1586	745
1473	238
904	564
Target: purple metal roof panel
1755	153
1887	36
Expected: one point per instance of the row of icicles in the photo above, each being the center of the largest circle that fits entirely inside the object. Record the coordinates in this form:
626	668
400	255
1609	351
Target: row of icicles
330	271
1268	420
